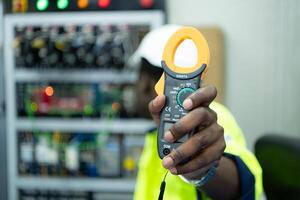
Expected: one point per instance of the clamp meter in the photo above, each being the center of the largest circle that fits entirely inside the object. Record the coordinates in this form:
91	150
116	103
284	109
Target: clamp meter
177	83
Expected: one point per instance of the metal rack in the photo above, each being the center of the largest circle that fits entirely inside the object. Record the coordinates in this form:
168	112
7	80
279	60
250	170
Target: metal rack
82	184
14	75
133	126
87	76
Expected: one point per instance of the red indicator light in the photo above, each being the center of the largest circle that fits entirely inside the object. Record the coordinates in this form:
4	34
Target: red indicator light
103	3
49	91
146	3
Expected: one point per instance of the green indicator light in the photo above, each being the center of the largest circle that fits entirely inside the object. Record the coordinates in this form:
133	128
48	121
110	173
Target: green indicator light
62	4
33	107
42	5
88	110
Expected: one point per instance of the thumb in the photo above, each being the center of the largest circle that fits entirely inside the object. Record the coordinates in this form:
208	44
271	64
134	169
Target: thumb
155	106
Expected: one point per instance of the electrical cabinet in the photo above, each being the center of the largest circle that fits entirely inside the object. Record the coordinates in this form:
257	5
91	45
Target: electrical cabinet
70	132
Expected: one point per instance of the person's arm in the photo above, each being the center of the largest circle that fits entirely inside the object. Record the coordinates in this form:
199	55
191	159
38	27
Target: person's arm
205	147
225	184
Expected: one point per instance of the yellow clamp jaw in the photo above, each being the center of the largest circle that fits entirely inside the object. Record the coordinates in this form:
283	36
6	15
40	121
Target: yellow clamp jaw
169	52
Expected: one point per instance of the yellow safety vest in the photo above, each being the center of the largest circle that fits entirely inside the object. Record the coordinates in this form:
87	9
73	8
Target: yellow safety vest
151	171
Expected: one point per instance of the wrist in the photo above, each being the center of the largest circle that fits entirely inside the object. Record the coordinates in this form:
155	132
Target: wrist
199	183
226	174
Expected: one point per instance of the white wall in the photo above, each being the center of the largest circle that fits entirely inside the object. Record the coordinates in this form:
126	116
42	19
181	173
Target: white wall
262	47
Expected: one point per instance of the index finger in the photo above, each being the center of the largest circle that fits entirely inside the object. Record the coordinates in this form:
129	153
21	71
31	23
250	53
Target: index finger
199	117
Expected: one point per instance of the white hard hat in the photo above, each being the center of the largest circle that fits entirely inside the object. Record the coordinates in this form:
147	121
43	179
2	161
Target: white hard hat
152	47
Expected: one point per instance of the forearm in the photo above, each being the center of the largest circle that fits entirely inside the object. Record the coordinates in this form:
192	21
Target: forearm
225	184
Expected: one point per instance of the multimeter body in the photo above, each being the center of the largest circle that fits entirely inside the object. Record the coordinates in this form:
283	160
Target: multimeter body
177	88
177	83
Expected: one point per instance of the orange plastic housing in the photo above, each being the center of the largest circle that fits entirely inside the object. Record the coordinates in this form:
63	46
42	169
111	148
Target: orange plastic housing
169	52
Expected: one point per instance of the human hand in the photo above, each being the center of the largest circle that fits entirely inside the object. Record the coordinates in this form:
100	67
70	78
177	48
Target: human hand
204	148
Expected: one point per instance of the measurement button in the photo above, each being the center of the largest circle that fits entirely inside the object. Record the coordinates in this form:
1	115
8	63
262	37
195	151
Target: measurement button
175	119
167	115
177	116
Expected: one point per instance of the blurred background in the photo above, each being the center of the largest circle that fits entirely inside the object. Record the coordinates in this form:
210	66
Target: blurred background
69	129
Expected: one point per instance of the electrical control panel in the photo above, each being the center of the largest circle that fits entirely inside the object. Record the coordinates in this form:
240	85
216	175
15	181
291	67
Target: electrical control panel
66	154
89	46
51	194
25	6
70	91
68	100
34	194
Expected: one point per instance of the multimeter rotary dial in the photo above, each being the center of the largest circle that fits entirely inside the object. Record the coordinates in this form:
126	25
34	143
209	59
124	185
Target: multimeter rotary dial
183	94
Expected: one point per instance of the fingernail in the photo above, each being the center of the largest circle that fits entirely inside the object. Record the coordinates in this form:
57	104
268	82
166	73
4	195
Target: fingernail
169	137
167	162
173	170
188	104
